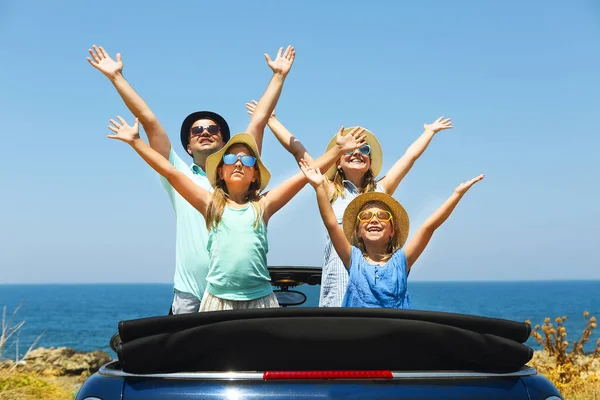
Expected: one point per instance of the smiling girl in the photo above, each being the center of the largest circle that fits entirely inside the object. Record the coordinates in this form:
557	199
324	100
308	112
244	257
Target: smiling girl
370	245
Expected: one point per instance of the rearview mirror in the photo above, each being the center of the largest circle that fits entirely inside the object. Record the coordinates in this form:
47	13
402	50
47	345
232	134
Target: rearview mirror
289	297
115	341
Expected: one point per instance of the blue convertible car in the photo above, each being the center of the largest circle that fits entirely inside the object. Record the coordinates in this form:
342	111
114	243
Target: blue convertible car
307	353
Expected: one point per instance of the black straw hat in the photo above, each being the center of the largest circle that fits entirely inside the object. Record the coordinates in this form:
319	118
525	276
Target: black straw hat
193	117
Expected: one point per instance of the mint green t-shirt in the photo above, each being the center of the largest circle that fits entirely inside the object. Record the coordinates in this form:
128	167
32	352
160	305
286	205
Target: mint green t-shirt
191	236
238	256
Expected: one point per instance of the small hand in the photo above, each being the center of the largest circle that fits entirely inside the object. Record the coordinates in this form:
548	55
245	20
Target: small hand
463	187
282	63
124	132
103	62
439	125
314	176
252	106
352	141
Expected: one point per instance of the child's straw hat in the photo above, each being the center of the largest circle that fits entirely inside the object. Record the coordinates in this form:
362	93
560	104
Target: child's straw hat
212	162
399	215
376	153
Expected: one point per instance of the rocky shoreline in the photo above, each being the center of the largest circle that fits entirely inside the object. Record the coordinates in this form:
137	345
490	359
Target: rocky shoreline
62	361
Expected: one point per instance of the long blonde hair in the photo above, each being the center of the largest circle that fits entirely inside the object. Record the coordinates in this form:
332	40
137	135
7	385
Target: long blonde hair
368	183
392	245
219	197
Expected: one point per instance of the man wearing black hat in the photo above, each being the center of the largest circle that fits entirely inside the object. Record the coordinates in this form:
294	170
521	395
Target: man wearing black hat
202	133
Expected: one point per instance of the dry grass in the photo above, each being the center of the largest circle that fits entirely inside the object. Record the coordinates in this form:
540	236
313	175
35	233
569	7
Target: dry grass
575	374
16	385
8	328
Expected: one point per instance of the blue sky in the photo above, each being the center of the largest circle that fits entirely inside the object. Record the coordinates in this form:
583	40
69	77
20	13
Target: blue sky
519	79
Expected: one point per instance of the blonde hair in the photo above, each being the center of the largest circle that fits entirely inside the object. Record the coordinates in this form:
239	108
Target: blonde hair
392	246
368	183
220	195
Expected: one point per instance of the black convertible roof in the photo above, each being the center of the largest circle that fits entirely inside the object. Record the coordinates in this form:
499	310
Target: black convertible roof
295	339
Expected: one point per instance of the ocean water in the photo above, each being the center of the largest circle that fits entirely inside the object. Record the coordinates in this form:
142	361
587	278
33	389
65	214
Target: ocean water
85	316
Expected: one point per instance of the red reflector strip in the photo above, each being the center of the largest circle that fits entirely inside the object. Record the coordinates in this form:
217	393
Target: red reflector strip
274	375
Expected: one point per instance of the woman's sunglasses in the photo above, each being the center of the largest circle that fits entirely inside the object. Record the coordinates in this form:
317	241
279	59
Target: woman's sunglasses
364	150
199	130
247	161
367	216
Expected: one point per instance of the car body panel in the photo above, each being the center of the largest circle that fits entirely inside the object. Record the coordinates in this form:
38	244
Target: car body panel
111	383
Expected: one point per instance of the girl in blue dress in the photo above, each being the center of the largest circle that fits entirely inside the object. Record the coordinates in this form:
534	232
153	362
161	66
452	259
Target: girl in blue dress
370	242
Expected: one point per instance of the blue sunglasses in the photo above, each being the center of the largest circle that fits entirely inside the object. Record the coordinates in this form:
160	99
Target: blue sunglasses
364	150
247	161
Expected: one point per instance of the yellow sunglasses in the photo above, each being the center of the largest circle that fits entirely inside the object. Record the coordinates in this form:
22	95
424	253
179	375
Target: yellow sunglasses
381	215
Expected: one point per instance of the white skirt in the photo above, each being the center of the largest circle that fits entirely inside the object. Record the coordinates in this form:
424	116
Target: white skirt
213	303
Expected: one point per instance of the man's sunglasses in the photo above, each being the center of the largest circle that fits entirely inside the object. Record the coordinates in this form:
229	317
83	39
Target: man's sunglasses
199	130
367	216
364	150
247	161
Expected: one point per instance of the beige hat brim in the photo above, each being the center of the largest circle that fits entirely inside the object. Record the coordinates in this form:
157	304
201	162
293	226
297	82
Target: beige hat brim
376	153
212	162
401	221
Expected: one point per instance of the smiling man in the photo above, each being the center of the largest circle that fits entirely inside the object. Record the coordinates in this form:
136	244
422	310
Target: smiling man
202	133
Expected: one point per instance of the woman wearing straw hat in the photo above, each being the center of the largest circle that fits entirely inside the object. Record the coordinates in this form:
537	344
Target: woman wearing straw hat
371	239
354	173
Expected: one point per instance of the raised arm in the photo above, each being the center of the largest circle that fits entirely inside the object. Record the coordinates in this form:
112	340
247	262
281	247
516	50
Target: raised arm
113	70
281	67
194	194
340	243
281	195
353	140
399	170
285	137
417	244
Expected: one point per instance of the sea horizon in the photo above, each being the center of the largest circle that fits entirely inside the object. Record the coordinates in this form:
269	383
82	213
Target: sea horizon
411	281
84	316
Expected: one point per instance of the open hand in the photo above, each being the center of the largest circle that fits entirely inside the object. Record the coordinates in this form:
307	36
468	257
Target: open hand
102	62
439	125
463	187
252	106
282	63
314	176
352	141
124	132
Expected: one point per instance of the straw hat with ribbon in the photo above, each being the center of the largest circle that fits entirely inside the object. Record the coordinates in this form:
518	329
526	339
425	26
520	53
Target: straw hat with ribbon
399	215
376	153
212	162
